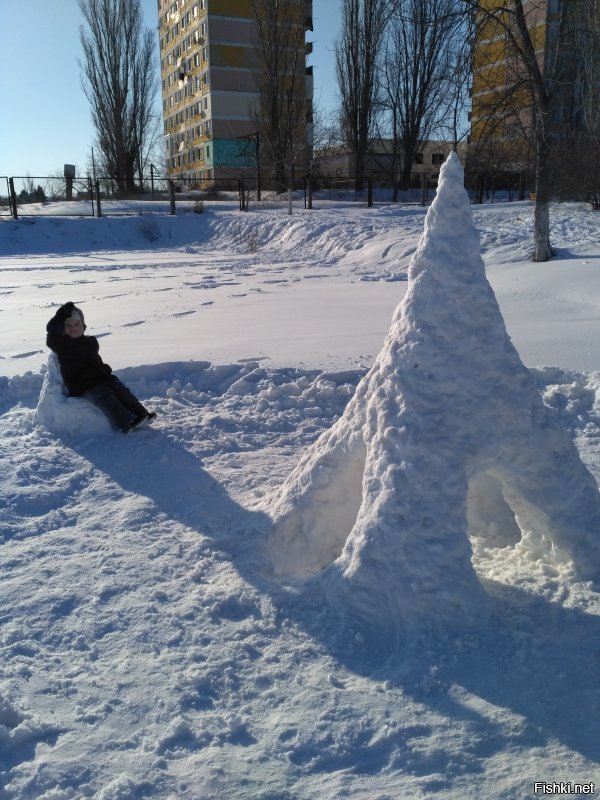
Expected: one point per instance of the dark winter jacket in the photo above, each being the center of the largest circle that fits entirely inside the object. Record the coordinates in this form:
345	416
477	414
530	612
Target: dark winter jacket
80	364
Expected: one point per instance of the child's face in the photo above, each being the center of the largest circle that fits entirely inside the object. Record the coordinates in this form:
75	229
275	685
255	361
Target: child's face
73	328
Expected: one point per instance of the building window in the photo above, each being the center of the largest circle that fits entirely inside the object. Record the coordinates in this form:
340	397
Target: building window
419	158
437	159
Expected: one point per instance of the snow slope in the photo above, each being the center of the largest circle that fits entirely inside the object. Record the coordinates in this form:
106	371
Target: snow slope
145	649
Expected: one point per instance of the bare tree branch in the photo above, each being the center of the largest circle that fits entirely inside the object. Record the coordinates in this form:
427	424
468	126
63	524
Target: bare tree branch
419	77
118	80
280	74
358	52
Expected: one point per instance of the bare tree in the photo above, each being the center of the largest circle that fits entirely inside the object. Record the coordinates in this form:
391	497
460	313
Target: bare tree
357	53
421	85
119	81
280	74
455	123
591	101
576	160
536	70
326	130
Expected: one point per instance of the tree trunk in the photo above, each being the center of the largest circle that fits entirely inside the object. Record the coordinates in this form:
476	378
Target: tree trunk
541	217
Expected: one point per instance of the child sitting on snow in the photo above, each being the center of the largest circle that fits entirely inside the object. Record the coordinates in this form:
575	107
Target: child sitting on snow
86	375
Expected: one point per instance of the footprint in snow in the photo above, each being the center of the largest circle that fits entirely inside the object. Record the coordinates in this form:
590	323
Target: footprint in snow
26	355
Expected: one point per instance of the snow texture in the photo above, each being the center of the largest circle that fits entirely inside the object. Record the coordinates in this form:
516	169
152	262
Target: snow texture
146	648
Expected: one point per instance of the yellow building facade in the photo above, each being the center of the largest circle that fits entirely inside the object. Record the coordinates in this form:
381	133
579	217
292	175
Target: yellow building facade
210	99
502	104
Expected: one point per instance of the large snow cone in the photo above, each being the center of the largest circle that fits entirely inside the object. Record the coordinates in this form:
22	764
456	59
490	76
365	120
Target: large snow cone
446	432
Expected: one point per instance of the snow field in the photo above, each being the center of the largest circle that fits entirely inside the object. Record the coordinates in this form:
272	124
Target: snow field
146	649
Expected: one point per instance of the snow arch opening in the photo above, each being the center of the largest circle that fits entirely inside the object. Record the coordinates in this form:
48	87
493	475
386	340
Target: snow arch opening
312	537
490	516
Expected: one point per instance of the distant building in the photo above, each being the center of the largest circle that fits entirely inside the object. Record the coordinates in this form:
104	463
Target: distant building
209	92
338	161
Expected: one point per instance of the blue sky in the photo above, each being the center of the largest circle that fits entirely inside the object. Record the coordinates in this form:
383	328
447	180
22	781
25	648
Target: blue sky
45	120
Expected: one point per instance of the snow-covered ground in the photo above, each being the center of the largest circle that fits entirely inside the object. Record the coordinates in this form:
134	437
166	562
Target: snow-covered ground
146	650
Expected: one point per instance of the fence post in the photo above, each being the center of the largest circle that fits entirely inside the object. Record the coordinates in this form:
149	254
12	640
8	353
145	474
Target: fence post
91	191
152	179
172	197
13	198
424	189
370	190
521	186
98	206
241	192
480	189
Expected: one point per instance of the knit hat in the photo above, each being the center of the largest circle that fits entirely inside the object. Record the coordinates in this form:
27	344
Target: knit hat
76	316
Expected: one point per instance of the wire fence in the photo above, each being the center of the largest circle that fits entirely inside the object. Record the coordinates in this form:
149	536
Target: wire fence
101	196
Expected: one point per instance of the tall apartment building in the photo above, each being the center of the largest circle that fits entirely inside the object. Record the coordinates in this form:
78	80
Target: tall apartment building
209	90
502	104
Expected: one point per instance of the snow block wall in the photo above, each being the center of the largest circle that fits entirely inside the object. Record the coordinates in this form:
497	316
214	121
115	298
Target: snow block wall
446	436
64	415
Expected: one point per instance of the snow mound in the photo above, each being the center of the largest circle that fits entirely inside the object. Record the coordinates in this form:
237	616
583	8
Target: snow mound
19	732
64	415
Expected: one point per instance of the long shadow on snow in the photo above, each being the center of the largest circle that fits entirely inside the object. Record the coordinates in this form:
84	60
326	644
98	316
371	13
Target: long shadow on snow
150	464
535	659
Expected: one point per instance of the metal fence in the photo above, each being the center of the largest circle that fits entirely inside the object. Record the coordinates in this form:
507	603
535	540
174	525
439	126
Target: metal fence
487	187
6	209
84	196
48	195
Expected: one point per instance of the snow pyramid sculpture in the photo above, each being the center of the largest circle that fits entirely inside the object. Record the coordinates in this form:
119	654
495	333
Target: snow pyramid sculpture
446	432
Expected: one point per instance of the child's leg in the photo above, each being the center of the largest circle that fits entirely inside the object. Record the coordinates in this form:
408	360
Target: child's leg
127	398
109	403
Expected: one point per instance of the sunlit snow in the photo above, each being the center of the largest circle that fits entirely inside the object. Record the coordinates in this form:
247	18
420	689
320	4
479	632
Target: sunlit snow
147	649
